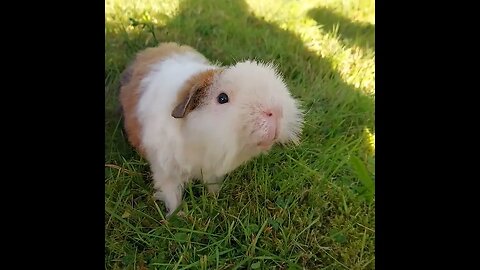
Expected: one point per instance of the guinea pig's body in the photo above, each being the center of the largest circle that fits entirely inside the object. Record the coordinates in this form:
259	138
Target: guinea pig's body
192	119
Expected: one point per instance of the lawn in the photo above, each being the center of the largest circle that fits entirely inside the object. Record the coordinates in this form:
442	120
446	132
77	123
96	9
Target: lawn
305	207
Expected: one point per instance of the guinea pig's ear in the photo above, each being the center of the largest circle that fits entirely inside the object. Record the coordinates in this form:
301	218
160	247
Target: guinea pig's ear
189	103
193	93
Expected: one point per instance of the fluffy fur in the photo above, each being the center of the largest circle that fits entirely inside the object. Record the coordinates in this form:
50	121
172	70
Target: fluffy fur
172	116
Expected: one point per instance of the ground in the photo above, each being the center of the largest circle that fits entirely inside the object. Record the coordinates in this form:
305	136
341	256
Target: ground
305	207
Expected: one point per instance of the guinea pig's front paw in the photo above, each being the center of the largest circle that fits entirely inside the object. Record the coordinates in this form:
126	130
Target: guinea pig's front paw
213	184
170	198
213	188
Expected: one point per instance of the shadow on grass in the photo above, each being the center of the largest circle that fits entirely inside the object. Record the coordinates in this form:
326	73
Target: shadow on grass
348	30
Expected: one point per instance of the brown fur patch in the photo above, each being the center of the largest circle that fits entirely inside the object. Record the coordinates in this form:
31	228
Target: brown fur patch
130	86
193	93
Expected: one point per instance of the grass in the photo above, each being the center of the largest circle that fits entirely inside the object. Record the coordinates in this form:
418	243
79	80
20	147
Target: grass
309	207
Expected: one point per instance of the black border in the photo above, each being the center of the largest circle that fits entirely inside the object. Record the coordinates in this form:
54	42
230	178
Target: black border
420	176
54	123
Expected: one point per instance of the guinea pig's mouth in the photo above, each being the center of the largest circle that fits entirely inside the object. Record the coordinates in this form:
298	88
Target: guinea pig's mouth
266	128
265	145
269	138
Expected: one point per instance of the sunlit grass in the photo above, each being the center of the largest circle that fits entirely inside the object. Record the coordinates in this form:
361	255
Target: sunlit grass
323	40
308	207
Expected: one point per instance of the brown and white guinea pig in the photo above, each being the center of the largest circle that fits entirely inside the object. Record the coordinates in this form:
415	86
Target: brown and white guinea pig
192	119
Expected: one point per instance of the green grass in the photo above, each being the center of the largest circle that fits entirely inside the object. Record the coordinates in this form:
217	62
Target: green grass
309	207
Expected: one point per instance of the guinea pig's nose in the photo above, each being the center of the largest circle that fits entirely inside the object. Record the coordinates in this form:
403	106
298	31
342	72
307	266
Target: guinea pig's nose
275	112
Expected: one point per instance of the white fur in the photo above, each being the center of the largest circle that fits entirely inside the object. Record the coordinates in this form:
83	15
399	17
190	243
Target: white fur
213	139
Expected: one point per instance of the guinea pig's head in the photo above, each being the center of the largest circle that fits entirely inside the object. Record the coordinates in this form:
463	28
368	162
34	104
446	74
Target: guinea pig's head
243	109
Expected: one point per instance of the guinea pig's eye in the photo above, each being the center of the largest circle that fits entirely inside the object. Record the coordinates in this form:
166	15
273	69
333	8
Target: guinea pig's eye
222	98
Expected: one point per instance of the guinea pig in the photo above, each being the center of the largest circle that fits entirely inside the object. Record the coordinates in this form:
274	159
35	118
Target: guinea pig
193	119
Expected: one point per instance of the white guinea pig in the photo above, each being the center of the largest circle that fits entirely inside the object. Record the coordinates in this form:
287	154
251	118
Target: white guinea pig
192	119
